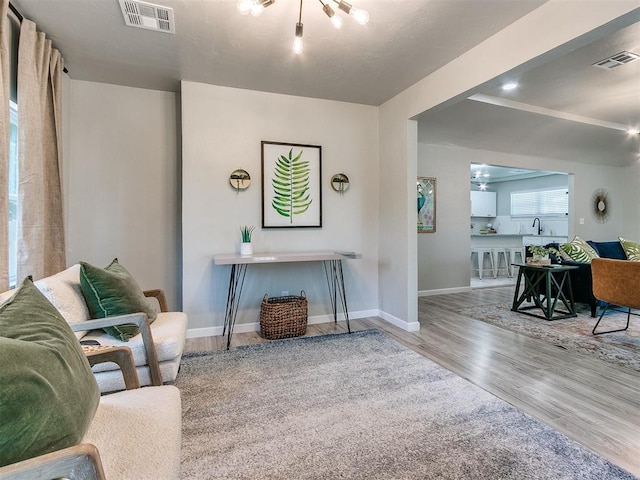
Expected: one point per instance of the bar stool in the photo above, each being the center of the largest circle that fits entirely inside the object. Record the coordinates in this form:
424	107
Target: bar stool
480	257
513	252
499	253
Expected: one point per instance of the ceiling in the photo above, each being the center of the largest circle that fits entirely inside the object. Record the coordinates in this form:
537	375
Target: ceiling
404	41
487	174
565	109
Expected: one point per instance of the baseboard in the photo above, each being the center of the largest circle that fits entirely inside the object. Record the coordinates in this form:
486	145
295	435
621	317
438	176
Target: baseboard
204	332
255	326
443	291
403	324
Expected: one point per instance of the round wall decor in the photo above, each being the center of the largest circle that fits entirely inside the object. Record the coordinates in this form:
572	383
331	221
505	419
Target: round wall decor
240	179
600	205
340	183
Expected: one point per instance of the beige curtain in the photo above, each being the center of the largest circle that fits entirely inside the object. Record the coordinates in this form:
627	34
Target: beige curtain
4	145
41	246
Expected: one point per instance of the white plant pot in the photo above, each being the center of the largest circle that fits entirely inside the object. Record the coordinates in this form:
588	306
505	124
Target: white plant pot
246	248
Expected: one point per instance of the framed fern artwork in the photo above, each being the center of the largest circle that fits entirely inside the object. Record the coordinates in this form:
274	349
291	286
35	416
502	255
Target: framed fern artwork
291	185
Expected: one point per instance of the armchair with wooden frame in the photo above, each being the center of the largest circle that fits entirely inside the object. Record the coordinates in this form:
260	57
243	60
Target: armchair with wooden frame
135	434
161	343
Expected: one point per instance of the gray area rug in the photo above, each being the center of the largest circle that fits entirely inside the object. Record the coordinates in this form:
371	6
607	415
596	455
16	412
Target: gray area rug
620	348
359	406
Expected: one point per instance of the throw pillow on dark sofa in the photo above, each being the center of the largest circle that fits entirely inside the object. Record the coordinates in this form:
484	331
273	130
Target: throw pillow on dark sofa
578	250
608	249
631	249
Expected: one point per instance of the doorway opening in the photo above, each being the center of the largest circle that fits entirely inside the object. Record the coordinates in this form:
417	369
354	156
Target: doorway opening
512	208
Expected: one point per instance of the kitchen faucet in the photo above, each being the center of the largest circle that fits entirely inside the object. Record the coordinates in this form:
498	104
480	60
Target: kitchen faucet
539	226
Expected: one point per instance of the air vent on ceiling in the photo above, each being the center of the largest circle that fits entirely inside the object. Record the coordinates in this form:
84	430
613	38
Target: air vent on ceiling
617	60
147	15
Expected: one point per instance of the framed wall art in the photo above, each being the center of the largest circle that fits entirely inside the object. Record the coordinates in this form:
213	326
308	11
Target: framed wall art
291	185
426	204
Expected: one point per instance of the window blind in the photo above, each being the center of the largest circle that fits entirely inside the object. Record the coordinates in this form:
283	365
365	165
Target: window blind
540	203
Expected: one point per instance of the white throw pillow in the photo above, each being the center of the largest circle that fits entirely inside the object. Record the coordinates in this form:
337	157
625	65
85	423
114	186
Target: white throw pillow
63	291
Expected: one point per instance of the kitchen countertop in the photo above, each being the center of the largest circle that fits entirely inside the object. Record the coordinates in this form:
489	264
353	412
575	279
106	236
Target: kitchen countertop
499	235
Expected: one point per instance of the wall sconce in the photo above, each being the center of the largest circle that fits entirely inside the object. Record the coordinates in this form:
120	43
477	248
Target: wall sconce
340	183
240	179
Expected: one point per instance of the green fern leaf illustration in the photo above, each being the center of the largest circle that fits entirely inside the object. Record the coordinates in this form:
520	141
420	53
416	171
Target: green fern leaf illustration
291	186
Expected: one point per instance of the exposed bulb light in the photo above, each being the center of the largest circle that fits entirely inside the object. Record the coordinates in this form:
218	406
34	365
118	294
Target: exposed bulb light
256	7
510	86
297	42
633	131
257	10
245	6
253	7
359	15
336	21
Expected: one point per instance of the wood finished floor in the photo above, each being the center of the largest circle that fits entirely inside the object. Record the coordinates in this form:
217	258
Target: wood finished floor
591	401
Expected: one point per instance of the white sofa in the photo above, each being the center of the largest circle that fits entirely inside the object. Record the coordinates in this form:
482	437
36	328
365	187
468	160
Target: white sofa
138	433
165	340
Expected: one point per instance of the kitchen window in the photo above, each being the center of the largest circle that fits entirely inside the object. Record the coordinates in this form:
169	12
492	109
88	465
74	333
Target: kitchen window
539	203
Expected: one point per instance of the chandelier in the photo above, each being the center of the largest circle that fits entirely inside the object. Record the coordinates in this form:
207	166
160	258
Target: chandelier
256	7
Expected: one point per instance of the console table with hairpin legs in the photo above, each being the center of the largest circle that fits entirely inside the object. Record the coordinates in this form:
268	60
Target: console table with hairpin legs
332	262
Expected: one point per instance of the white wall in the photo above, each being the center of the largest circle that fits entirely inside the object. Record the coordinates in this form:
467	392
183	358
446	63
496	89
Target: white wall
443	257
121	181
555	24
222	131
440	263
630	203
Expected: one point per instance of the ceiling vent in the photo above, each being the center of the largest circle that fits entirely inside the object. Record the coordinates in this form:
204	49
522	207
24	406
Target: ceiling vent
617	60
147	15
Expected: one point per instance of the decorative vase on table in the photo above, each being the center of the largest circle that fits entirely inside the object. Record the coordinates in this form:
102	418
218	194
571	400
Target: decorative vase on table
540	255
246	248
539	260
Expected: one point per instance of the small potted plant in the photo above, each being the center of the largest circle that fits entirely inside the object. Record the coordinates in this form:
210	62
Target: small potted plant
246	248
540	255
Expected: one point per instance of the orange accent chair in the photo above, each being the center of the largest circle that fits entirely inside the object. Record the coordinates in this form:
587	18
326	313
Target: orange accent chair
616	282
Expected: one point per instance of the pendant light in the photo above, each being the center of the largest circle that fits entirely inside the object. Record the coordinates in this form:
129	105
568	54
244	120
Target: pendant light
256	7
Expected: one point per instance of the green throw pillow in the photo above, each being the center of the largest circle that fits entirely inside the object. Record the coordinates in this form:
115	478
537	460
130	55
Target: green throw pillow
113	291
631	249
48	394
578	250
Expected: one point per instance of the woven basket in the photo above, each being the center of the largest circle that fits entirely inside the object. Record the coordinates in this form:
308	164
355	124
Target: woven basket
283	317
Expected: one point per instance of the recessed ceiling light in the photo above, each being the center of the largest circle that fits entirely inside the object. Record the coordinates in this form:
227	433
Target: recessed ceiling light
510	86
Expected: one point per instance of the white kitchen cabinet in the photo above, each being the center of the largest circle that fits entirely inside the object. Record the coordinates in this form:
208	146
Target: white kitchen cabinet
483	204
